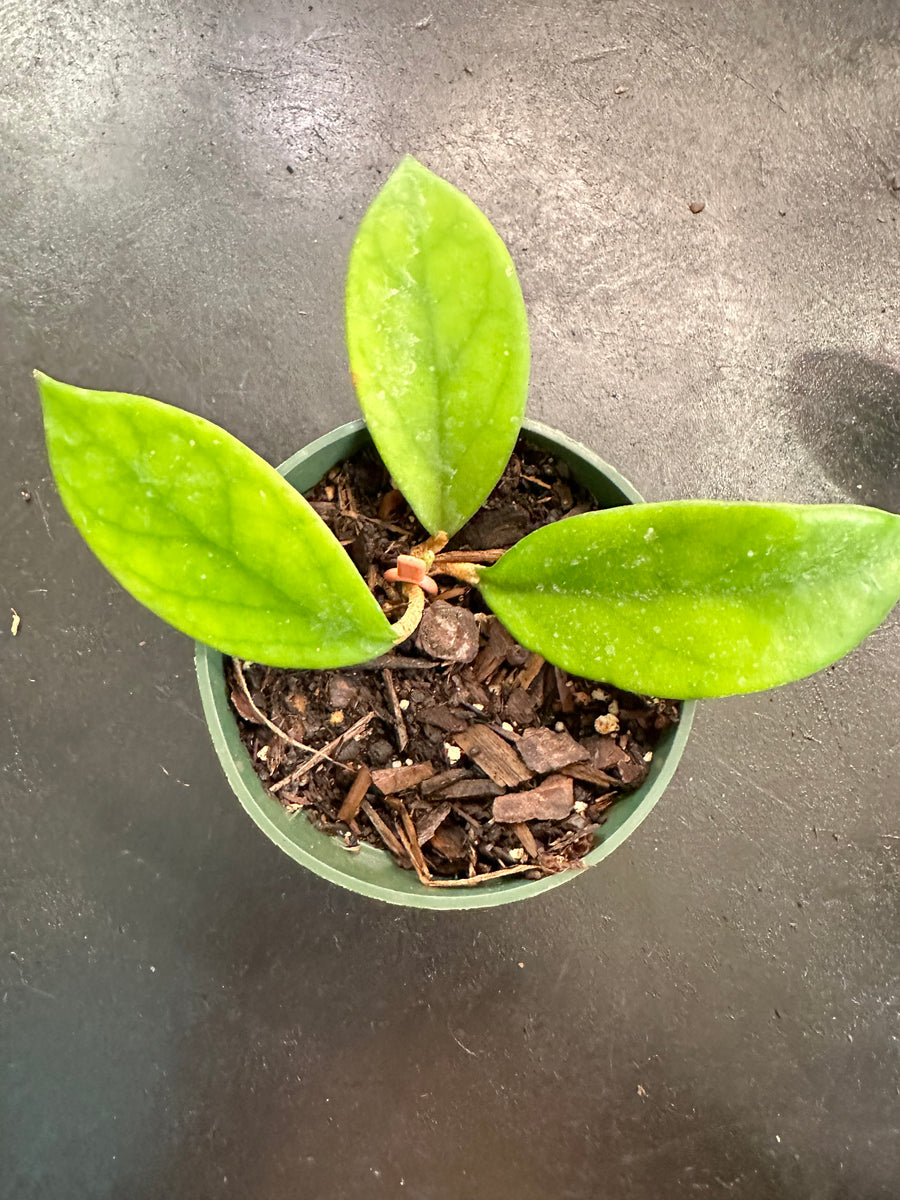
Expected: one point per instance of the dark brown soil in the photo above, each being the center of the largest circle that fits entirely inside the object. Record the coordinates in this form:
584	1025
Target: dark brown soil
461	753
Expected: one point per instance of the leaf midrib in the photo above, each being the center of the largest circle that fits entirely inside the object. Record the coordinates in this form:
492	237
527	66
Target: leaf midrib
202	536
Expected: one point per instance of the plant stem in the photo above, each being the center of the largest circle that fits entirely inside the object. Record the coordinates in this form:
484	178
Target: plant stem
430	547
464	571
409	622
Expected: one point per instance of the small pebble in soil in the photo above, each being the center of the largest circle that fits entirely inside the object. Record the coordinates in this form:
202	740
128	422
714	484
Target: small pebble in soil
448	632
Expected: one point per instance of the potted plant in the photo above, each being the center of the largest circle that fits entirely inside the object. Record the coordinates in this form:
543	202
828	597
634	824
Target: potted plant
684	599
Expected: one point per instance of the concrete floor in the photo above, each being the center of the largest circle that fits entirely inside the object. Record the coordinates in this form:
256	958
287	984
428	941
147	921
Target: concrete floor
184	1012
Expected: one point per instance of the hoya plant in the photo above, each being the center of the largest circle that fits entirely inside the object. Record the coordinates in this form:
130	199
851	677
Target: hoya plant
686	598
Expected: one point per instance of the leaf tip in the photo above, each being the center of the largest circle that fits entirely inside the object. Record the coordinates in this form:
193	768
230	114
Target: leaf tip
45	386
409	162
410	167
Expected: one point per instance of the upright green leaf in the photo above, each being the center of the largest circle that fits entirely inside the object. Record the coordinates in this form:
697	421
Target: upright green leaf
699	598
205	533
438	342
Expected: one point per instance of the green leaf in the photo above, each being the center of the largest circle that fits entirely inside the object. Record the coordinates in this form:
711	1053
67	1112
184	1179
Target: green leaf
205	533
438	342
699	598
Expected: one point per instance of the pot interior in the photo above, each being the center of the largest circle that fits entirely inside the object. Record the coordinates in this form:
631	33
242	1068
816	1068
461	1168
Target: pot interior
371	871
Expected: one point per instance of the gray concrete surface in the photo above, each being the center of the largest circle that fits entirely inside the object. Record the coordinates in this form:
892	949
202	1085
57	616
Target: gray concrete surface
183	1011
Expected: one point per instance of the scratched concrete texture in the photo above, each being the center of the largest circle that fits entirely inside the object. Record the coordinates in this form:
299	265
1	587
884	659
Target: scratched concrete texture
710	1013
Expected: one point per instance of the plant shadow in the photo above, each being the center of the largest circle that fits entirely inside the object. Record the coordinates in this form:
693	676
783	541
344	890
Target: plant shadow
846	410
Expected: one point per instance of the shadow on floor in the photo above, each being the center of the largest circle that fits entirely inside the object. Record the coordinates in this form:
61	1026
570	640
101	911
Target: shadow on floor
846	409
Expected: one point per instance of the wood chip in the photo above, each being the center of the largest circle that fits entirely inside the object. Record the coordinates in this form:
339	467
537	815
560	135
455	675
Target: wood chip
526	837
452	593
593	811
544	750
451	842
391	504
355	795
530	671
552	864
430	821
501	648
244	708
486	664
564	690
345	495
396	662
443	779
495	756
411	844
472	789
488	877
468	817
584	831
549	801
396	710
498	526
341	692
588	773
391	780
632	773
441	716
520	707
383	831
606	754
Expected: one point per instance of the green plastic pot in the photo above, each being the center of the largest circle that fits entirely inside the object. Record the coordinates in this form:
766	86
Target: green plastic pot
370	871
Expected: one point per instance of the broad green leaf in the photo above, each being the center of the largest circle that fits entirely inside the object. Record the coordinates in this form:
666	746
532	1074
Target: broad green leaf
205	533
699	598
438	342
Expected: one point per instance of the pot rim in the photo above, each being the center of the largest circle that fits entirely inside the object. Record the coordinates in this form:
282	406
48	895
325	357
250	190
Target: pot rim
274	821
